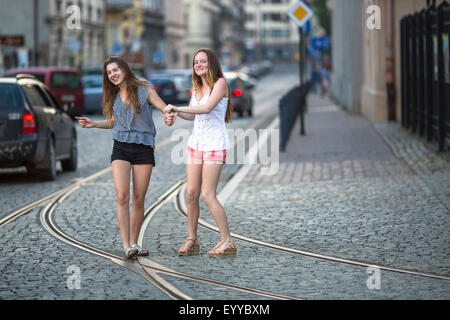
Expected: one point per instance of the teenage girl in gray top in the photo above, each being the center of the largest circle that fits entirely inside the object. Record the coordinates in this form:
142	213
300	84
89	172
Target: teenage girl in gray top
127	105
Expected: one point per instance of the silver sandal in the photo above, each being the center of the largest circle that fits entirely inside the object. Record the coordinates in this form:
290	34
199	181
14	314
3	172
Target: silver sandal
141	251
130	252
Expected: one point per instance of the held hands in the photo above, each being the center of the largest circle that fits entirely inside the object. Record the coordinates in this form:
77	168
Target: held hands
85	122
170	108
169	115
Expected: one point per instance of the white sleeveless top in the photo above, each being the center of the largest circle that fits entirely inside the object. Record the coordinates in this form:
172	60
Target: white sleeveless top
209	132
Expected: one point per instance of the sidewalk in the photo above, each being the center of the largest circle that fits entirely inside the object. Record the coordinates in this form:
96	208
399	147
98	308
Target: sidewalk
353	190
336	146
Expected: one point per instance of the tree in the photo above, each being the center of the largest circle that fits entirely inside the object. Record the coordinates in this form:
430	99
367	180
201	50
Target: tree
323	14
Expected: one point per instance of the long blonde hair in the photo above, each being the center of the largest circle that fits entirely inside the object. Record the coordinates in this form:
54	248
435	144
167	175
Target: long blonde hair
110	90
213	74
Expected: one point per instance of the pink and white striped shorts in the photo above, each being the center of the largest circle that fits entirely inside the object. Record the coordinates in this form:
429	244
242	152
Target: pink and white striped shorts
198	156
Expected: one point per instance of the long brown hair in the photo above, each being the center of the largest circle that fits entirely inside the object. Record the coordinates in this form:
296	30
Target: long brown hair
213	74
110	90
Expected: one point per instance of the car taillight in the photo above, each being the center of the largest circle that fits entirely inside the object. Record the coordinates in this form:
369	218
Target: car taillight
29	124
190	93
237	93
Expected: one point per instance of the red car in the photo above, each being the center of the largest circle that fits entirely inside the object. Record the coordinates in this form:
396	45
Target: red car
64	84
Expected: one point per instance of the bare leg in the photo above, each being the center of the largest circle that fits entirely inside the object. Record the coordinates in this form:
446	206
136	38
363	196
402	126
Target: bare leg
210	179
194	183
141	179
121	176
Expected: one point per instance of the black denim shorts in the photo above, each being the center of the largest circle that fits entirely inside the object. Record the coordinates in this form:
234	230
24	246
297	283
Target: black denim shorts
133	153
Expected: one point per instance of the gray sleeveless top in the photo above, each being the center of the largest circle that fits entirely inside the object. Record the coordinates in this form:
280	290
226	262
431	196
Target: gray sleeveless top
134	128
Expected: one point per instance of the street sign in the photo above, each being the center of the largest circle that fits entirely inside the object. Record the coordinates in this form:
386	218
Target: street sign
307	27
320	43
300	13
12	40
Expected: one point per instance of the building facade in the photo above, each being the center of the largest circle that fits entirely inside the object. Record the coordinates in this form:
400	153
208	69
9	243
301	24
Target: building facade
202	27
346	43
270	34
366	76
175	24
232	33
135	30
77	32
59	33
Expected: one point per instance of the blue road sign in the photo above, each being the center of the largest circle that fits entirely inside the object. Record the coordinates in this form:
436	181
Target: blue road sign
307	29
320	43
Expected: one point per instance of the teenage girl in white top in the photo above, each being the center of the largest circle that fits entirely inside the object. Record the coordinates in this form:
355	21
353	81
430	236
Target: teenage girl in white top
210	108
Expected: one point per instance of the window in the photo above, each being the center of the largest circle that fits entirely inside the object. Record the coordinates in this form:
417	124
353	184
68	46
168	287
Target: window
33	95
275	17
8	97
250	33
276	33
43	95
50	97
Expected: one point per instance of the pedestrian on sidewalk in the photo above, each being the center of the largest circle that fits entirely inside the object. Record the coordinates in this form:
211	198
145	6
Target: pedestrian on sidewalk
210	108
324	80
127	106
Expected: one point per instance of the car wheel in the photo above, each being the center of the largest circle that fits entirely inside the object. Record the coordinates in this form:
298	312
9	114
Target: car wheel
49	173
250	108
71	163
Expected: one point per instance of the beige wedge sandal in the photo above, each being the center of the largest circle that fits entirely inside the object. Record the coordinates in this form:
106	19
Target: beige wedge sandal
189	251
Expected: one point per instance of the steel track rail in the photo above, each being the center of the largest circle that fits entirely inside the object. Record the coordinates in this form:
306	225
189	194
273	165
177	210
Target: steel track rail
180	205
145	267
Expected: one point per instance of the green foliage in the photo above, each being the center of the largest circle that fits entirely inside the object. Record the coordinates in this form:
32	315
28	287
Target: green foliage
323	14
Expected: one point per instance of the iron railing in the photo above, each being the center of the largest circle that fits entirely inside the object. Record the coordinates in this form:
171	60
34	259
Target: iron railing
425	74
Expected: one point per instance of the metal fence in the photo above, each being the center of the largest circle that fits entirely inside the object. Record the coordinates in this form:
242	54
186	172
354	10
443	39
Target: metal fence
291	106
425	69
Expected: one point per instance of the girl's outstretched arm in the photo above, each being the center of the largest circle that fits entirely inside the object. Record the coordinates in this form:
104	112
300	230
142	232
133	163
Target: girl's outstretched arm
187	116
154	99
85	122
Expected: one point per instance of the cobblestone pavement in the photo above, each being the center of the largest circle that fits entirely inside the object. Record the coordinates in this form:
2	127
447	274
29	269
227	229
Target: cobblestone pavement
35	265
341	191
347	189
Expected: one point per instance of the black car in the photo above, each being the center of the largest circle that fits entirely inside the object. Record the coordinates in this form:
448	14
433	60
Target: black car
241	93
166	89
34	130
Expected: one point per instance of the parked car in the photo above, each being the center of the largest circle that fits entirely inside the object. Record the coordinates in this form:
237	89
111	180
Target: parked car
241	93
34	130
64	84
182	79
166	89
257	69
93	93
